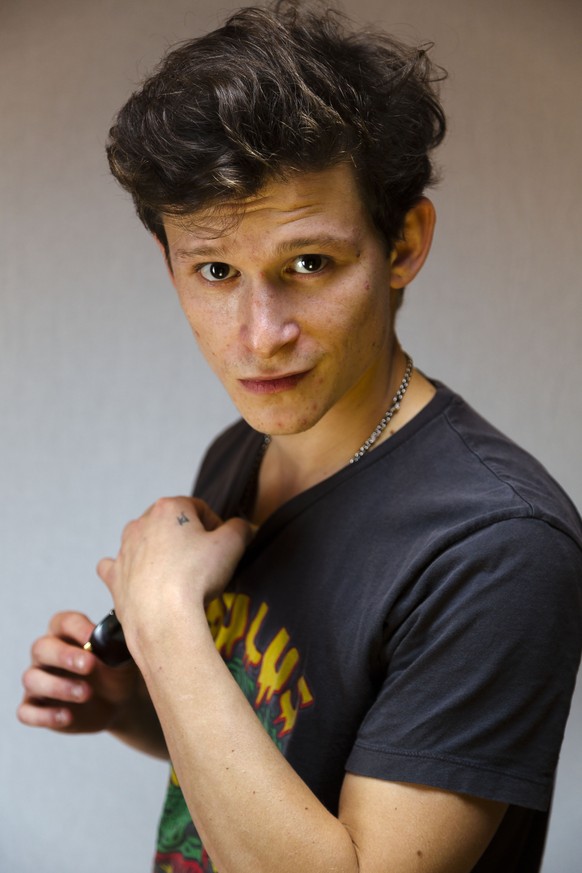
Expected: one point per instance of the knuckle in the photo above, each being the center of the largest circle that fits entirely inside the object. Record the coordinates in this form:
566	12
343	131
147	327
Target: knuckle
58	623
32	681
102	567
127	528
163	505
39	651
68	625
23	714
129	531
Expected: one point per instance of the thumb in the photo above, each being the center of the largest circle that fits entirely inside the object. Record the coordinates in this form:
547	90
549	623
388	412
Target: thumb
242	529
105	570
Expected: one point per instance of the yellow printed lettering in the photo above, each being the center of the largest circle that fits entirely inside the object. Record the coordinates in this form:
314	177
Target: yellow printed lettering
271	677
228	618
288	715
252	654
229	634
215	612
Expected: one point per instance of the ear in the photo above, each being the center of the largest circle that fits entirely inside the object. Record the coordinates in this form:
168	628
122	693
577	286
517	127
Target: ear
410	252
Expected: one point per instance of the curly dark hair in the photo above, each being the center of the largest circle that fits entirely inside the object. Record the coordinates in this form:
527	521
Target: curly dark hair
276	91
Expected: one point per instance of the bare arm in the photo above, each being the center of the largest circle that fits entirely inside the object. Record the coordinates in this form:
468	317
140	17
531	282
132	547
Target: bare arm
231	771
71	691
251	809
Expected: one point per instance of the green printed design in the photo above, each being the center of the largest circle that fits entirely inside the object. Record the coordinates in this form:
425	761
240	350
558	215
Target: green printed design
176	827
248	687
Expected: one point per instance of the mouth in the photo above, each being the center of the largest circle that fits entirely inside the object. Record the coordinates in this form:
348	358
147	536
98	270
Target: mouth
273	384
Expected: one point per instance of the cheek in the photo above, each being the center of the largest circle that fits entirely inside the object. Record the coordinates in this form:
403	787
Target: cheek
362	327
210	328
361	315
213	346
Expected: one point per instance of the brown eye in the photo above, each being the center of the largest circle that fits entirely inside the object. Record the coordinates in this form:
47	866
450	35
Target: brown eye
309	264
216	271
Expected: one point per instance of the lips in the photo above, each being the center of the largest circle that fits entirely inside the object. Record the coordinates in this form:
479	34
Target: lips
273	385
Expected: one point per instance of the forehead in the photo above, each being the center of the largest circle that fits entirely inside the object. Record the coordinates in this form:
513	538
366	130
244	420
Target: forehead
328	201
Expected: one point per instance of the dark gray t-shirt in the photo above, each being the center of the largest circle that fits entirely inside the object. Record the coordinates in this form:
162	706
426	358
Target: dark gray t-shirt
416	617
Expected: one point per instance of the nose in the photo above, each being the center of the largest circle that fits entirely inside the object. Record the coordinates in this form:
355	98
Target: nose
266	324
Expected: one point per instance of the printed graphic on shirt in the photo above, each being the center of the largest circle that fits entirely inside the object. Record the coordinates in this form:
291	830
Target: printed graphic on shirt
179	847
270	676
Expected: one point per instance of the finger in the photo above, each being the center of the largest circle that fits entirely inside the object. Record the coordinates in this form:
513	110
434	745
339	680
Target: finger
72	626
37	714
231	539
209	519
54	653
42	685
105	569
242	530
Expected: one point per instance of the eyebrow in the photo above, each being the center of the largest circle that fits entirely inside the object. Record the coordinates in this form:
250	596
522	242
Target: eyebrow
297	244
213	252
324	242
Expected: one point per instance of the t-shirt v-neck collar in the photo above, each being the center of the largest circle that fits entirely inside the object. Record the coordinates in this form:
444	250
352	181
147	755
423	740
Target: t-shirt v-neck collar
293	507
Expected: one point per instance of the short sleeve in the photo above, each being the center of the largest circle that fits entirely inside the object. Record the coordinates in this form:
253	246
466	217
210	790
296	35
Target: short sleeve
480	661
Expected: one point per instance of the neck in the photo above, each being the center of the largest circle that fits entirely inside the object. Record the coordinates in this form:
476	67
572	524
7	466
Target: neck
296	462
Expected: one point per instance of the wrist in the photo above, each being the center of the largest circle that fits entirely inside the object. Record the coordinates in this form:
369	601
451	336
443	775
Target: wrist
163	636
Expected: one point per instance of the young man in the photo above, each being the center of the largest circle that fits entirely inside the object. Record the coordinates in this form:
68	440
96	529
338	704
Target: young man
358	642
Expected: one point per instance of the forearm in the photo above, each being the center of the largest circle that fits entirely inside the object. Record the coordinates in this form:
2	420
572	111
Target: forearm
137	725
252	810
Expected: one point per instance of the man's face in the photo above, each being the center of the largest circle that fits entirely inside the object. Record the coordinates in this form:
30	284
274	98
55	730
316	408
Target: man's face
291	305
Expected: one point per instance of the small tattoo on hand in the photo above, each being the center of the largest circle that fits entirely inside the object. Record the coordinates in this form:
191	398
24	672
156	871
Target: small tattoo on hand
183	519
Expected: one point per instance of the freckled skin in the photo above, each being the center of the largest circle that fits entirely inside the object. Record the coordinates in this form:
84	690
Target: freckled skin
267	320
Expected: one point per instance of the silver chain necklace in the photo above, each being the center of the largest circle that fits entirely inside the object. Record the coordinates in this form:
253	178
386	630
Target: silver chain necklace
380	427
248	496
388	415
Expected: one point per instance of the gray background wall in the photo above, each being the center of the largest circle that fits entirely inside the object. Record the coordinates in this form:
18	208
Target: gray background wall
105	403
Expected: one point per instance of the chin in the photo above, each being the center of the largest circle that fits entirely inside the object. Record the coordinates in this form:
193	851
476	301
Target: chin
283	414
280	425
